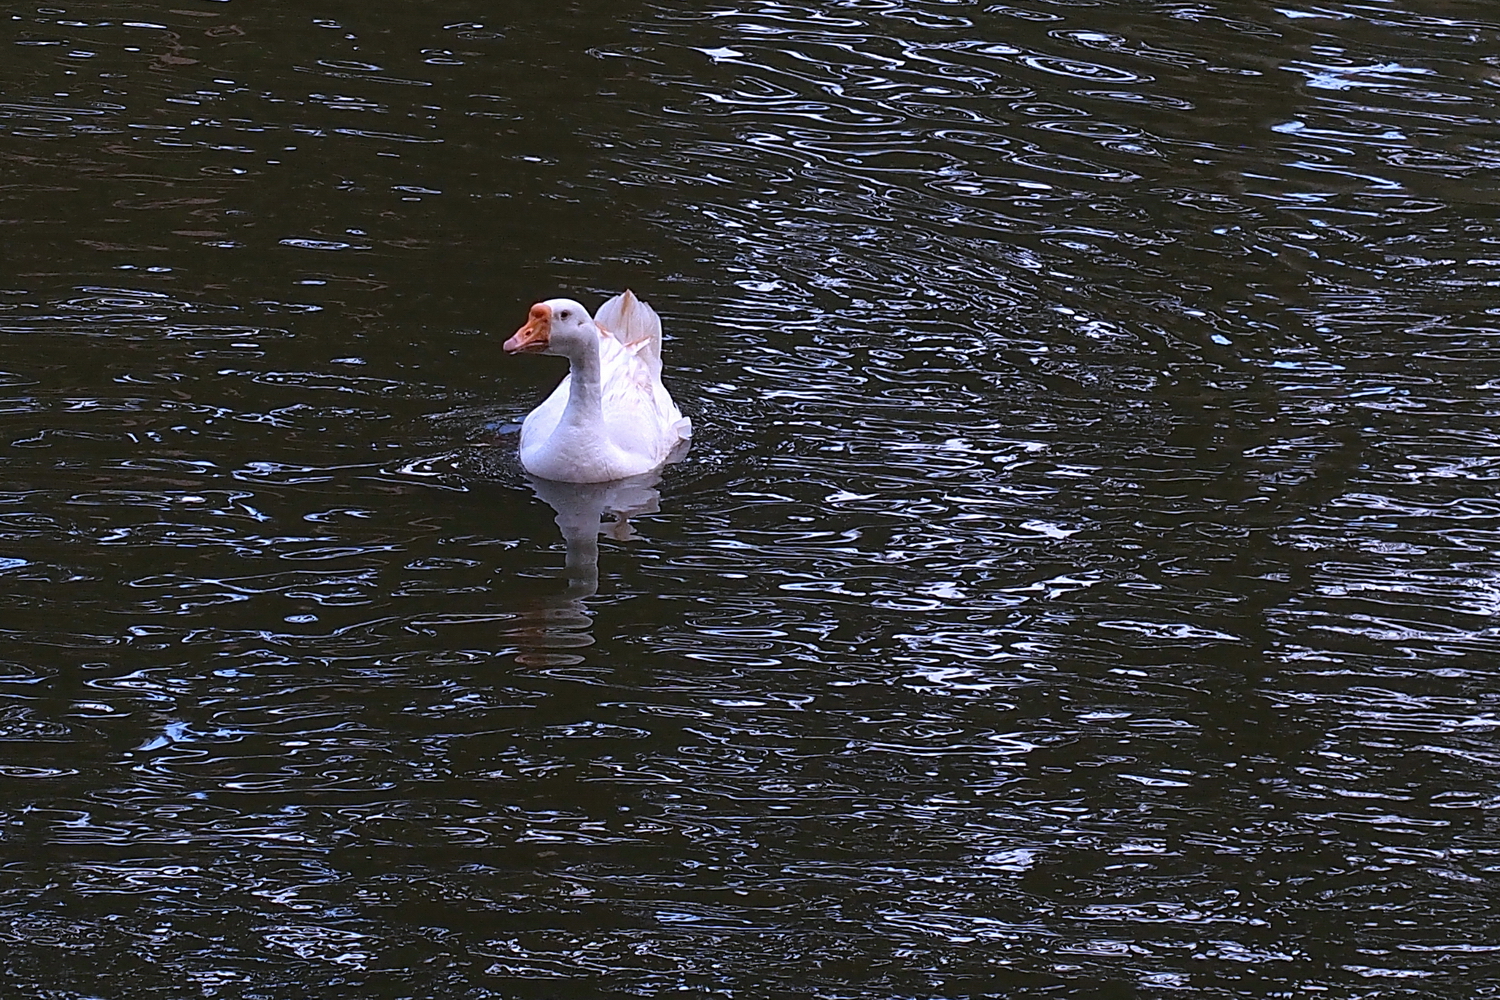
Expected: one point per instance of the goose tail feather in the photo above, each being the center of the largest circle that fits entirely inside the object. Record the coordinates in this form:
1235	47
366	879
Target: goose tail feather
634	324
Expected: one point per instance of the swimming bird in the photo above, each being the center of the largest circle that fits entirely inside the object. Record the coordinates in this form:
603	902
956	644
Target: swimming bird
611	417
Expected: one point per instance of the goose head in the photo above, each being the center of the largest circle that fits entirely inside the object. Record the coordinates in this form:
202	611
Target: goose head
557	326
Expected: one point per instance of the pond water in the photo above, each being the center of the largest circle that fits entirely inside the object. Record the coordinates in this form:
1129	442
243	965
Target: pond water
1083	583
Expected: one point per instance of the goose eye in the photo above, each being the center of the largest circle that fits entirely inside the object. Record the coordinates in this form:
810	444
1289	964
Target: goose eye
564	314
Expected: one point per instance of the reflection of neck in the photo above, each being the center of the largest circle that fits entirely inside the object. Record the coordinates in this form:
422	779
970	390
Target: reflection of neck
584	394
582	565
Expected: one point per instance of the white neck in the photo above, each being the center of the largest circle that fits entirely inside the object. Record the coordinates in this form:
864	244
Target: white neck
585	407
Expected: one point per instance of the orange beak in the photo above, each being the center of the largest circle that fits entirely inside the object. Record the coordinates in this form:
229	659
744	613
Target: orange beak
534	337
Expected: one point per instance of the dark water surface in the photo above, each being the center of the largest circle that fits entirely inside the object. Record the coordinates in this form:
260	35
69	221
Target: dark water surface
1084	582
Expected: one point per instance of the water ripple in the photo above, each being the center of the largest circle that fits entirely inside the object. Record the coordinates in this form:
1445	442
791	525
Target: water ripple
1083	577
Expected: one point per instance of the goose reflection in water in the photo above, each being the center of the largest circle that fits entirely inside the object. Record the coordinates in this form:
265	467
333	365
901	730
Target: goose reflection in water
563	622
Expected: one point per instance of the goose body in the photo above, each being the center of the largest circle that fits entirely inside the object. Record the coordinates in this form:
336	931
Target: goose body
611	417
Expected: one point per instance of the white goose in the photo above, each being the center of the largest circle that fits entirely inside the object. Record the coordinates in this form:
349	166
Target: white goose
611	417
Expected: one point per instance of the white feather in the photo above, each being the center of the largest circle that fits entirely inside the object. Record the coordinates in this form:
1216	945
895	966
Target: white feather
636	427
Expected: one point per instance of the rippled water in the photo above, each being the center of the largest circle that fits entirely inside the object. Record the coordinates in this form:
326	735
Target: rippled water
1083	583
